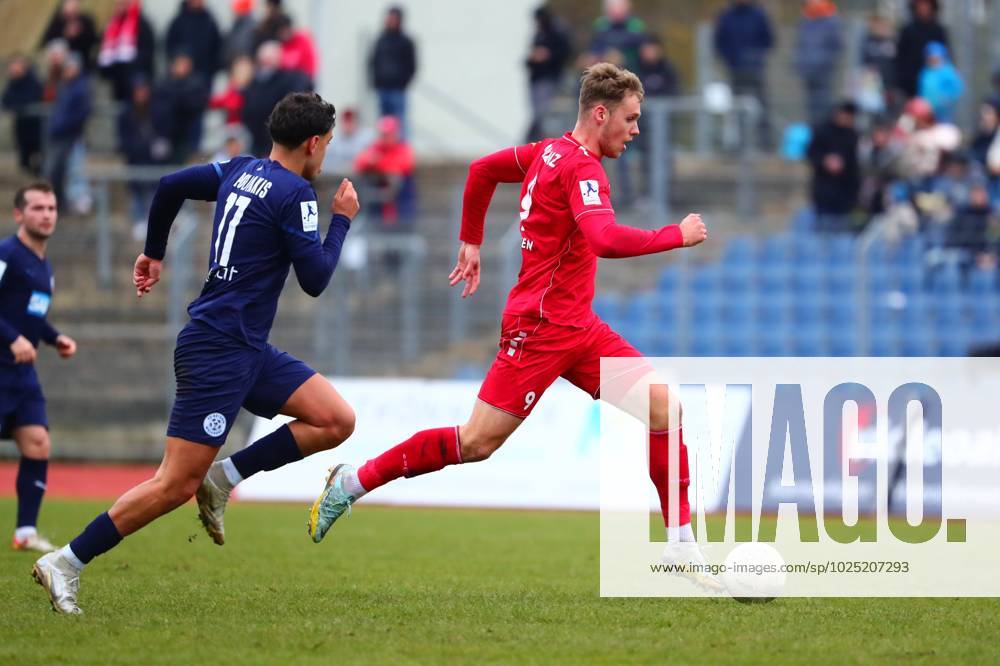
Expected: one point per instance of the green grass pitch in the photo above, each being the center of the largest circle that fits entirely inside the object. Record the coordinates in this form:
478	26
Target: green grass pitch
406	586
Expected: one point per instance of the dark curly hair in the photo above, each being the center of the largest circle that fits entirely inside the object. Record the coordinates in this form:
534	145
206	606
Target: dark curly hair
300	116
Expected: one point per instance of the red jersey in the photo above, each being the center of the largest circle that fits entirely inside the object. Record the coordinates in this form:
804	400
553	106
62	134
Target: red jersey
567	221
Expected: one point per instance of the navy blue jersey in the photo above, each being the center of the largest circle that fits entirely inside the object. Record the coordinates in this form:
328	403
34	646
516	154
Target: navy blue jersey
266	220
26	286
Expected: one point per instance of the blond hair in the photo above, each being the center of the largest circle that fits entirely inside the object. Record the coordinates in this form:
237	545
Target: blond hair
607	84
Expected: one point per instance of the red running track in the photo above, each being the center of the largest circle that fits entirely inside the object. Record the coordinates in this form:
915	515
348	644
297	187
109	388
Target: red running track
82	481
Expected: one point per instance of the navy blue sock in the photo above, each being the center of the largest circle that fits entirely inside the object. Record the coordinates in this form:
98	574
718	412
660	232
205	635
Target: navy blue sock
267	453
97	538
31	476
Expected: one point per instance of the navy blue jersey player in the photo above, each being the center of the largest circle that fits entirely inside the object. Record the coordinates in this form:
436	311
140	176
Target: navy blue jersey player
26	286
266	223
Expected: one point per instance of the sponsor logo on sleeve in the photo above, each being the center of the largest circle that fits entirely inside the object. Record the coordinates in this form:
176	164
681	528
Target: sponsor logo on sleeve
310	216
38	304
591	195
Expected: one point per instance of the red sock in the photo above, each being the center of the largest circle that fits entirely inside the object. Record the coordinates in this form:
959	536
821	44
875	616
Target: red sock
427	451
660	473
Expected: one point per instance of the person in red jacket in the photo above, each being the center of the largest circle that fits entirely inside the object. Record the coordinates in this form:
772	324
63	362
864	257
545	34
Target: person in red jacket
298	52
387	165
549	328
231	99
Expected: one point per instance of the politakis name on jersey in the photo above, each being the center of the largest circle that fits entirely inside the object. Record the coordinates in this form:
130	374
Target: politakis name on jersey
253	185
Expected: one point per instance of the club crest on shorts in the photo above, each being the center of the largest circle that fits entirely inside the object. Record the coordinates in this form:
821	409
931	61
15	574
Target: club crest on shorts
214	424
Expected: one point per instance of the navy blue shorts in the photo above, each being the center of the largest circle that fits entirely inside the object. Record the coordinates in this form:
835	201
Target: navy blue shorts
216	376
21	406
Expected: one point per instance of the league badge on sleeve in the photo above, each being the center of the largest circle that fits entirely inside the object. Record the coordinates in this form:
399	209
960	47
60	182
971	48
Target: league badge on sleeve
591	195
310	216
38	304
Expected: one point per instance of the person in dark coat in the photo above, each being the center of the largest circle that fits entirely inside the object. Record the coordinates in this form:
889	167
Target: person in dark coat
659	77
618	32
141	144
269	86
22	93
393	66
76	27
743	36
836	182
270	24
239	41
195	32
818	45
912	44
70	113
181	101
550	49
127	49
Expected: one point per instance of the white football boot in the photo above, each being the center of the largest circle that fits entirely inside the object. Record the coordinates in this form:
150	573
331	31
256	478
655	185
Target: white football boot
61	580
688	555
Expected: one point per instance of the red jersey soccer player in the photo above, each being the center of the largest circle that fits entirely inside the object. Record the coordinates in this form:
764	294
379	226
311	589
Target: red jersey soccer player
549	329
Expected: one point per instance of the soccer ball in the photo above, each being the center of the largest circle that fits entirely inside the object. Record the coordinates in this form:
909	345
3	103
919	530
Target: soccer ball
753	573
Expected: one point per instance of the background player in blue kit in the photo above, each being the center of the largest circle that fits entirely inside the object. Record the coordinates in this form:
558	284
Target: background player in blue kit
26	286
266	221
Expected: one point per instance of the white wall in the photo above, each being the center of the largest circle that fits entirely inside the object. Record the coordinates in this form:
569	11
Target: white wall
474	51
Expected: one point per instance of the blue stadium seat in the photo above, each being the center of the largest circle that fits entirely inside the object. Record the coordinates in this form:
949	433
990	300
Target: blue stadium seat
808	309
808	248
840	249
983	281
809	340
883	341
953	343
910	279
705	278
842	280
946	281
947	313
840	311
808	278
775	249
740	250
608	307
776	276
707	341
739	311
739	277
774	308
843	341
909	252
917	341
775	343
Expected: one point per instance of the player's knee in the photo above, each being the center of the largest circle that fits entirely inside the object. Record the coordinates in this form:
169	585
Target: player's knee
37	446
175	492
660	408
477	447
337	425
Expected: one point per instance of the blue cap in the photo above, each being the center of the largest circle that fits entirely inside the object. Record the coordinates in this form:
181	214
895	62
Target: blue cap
936	50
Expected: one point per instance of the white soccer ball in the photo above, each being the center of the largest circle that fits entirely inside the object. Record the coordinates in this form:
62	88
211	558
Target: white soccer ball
753	573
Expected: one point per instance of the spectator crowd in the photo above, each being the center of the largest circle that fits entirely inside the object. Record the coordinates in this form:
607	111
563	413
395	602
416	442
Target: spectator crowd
190	70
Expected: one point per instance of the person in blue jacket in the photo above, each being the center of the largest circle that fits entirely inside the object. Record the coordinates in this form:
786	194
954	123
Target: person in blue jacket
940	83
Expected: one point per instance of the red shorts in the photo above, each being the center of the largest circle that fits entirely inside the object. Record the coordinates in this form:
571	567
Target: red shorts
534	353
